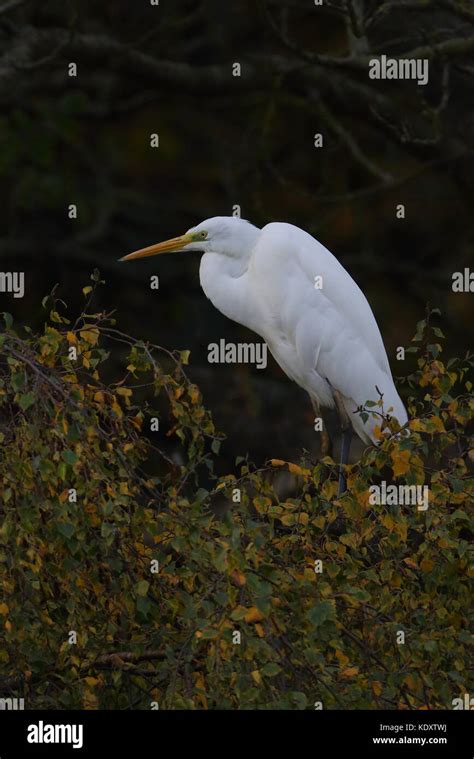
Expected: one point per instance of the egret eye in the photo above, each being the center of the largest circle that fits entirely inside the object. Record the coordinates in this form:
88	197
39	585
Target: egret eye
203	235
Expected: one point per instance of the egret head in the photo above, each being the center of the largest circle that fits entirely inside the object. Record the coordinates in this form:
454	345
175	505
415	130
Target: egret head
228	235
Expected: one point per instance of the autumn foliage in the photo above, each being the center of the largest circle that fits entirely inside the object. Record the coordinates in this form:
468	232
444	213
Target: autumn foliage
126	537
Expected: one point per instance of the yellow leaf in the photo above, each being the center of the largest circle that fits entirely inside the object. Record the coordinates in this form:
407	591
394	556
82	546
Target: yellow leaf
89	700
90	335
387	521
342	658
377	432
426	565
260	631
256	676
377	687
200	685
116	408
350	671
91	681
124	391
293	468
411	564
437	423
71	338
238	577
400	462
329	489
410	681
137	421
194	394
253	615
4	609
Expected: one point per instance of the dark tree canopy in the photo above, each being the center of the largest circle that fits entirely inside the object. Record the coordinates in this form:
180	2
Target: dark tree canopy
243	140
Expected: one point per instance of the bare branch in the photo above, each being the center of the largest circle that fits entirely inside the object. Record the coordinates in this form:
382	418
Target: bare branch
358	41
419	5
351	144
11	6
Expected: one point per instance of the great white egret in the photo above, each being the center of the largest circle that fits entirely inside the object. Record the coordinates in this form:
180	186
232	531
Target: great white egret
288	288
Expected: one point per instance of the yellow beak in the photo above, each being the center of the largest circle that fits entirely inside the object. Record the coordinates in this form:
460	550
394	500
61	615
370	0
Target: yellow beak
176	243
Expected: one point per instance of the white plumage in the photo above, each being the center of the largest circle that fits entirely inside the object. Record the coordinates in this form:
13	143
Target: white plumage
324	338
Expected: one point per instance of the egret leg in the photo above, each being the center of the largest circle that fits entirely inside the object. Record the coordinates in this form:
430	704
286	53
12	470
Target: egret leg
326	442
346	437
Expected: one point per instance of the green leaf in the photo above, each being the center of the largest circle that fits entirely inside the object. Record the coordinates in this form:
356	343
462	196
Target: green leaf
26	401
69	457
322	612
141	588
300	699
358	593
201	495
66	528
271	669
238	614
106	530
143	605
209	634
18	380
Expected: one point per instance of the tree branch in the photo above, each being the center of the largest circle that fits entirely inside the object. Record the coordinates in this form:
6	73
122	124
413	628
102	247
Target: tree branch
419	5
351	144
11	6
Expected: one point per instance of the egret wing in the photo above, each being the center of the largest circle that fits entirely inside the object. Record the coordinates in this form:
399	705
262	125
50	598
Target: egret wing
321	331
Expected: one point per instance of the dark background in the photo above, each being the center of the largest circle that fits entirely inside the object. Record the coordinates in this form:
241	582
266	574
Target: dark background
244	140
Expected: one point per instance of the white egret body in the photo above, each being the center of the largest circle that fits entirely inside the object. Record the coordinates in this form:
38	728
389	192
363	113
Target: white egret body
288	288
